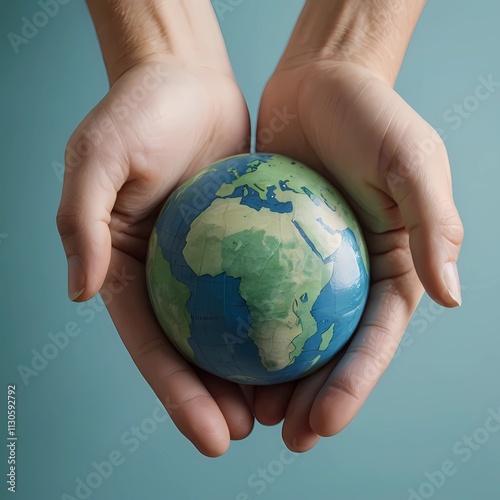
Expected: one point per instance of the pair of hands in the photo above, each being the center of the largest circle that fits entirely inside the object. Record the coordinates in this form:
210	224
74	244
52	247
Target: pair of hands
337	117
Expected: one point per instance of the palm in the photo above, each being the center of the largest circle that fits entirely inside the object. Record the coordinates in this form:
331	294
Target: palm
161	140
358	132
183	121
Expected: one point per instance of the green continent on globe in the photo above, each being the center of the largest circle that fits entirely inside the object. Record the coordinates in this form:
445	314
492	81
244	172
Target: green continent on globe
170	295
279	258
340	217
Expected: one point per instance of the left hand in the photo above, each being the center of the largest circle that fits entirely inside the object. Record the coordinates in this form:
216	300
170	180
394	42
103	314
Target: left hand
347	122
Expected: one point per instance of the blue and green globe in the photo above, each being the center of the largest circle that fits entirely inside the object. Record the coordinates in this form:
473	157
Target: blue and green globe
257	269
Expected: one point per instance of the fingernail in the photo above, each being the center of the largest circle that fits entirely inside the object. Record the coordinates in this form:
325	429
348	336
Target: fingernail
450	276
76	277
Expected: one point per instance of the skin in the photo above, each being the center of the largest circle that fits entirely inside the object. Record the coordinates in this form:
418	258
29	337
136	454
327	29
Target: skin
358	132
336	77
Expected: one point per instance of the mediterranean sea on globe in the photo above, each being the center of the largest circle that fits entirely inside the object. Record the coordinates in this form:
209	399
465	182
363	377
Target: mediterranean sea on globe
257	269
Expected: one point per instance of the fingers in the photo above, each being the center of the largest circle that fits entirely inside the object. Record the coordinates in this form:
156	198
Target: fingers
232	403
248	392
89	193
297	432
418	178
185	397
271	402
390	307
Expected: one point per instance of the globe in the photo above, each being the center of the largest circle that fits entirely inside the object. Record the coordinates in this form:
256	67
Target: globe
257	269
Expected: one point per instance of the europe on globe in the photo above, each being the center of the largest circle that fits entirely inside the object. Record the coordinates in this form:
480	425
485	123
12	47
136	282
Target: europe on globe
257	269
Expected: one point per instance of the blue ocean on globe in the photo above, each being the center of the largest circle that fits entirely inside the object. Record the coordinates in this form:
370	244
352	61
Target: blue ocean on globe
257	269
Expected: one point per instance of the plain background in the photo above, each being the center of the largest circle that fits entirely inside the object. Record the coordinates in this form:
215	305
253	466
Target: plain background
440	388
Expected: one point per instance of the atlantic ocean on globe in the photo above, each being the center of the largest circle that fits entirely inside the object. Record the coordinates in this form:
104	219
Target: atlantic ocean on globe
257	269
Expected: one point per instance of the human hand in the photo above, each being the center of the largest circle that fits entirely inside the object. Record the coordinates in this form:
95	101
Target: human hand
348	123
162	120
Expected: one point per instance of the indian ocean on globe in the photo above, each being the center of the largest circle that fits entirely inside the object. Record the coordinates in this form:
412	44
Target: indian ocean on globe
257	269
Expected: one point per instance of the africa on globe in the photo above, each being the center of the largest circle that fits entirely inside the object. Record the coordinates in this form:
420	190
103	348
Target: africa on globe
257	269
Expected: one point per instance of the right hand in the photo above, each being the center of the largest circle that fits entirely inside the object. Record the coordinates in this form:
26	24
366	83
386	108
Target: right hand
160	123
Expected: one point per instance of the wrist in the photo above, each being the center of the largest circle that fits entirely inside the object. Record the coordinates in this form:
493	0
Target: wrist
131	32
372	33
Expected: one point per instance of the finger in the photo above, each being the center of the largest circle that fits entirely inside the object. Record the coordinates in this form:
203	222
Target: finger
297	432
188	402
418	179
272	401
91	181
390	254
390	307
248	392
232	404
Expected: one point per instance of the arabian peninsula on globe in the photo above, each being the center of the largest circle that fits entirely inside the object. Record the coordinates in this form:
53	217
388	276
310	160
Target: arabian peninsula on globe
257	269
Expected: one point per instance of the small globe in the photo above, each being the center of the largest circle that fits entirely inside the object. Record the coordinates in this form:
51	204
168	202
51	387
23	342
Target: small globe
257	269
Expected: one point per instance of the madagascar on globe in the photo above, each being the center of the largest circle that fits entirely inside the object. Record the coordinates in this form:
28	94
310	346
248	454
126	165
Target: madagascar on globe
257	269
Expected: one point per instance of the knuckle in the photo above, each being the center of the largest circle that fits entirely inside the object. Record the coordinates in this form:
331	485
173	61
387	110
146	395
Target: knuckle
402	172
376	358
147	348
453	231
68	219
348	385
450	225
409	157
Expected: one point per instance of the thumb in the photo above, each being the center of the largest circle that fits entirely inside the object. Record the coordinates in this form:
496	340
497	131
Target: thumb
91	182
419	180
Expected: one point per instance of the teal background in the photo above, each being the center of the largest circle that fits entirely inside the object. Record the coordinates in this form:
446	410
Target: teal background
439	389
